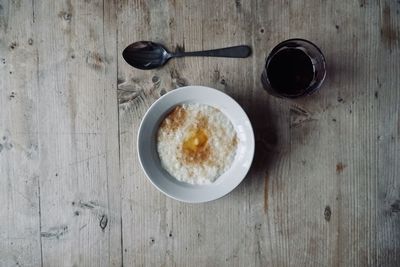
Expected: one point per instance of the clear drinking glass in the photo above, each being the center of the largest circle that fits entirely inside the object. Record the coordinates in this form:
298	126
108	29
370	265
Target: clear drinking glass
294	68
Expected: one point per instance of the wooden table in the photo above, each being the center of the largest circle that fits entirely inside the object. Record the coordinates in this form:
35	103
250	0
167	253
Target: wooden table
324	188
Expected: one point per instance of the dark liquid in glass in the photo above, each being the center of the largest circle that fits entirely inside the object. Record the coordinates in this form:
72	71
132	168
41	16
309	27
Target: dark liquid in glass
290	71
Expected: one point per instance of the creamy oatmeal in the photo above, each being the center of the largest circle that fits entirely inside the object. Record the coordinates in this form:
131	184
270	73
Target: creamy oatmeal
196	143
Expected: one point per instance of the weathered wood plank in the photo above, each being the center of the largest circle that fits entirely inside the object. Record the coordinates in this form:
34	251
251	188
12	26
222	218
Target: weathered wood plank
78	133
384	123
19	141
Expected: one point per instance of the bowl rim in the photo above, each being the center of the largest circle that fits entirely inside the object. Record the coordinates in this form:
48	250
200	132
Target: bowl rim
176	91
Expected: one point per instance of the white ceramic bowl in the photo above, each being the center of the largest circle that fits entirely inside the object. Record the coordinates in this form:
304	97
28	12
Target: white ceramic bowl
147	148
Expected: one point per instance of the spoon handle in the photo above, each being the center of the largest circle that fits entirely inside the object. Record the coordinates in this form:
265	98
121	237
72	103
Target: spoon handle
240	51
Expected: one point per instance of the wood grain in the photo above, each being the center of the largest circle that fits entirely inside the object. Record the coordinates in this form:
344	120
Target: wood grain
19	141
80	212
60	128
324	187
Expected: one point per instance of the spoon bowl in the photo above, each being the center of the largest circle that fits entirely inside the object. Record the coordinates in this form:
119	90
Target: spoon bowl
146	55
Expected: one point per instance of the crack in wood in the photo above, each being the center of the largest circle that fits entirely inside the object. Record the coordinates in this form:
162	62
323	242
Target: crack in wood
395	206
299	116
103	222
88	205
266	193
327	213
55	232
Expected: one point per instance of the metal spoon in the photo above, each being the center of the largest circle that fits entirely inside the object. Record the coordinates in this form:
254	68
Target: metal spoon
147	55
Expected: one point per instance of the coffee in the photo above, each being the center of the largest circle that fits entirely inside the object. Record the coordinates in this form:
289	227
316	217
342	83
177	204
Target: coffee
290	71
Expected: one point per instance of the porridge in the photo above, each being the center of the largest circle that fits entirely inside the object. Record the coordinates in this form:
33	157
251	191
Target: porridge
196	143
